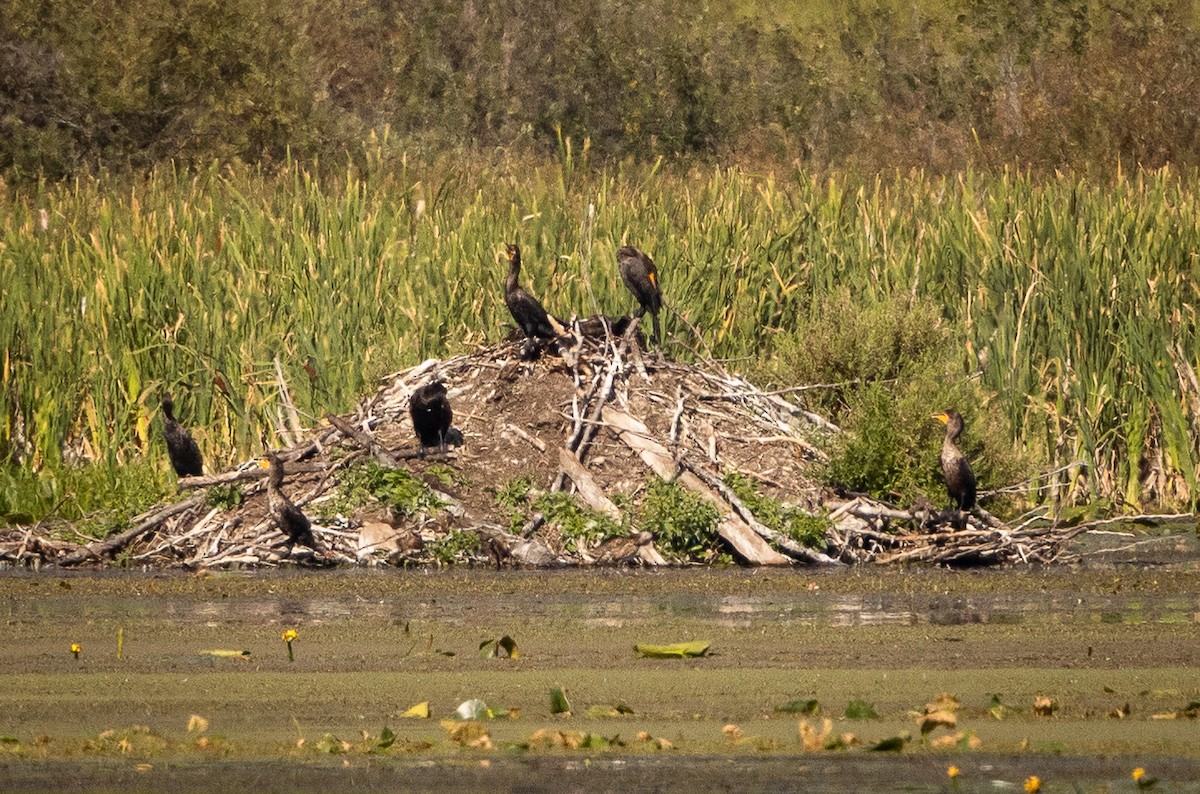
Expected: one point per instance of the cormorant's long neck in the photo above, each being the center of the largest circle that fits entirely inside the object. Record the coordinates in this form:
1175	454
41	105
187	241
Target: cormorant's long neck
275	477
954	430
168	409
514	270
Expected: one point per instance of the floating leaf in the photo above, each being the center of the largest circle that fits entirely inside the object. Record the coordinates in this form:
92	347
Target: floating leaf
558	702
657	741
1044	706
860	710
601	711
387	737
808	708
225	653
963	740
474	709
1189	712
812	738
937	719
332	745
419	711
842	742
679	650
548	737
505	646
594	741
468	734
1000	711
892	744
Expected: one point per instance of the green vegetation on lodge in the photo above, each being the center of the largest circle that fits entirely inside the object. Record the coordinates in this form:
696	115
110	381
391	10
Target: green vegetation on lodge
1073	302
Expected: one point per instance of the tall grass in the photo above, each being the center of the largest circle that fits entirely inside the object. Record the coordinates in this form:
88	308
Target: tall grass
1077	299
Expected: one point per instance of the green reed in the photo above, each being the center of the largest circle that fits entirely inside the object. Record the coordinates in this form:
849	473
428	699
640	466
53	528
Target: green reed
1076	301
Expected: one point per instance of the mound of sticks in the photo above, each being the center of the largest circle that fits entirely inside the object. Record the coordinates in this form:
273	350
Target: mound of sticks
593	414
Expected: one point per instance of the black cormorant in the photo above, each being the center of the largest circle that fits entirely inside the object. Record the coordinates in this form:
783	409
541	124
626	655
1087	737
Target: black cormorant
960	480
287	517
181	447
431	415
641	277
529	314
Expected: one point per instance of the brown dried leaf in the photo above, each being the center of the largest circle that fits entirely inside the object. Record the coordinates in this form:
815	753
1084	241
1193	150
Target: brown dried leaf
937	719
813	739
1044	706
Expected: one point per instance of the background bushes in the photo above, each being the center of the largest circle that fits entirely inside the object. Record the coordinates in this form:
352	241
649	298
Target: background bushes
870	85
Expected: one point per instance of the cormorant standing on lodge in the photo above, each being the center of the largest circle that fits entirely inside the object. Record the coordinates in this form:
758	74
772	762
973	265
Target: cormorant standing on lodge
525	309
960	479
431	415
287	517
181	447
641	277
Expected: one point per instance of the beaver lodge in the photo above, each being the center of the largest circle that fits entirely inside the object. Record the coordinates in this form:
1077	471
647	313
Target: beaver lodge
589	451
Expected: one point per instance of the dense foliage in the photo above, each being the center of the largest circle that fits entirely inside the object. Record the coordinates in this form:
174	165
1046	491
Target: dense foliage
869	84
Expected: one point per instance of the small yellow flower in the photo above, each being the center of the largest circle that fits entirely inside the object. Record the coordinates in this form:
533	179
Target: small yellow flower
288	636
952	771
76	649
1033	784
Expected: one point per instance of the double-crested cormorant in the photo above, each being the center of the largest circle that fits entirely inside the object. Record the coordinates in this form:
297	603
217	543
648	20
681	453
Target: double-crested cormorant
525	309
431	415
641	277
960	480
287	517
181	447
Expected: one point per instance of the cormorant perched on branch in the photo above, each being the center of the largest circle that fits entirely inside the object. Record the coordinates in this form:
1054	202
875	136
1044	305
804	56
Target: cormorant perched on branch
641	277
287	517
181	447
431	415
529	314
960	480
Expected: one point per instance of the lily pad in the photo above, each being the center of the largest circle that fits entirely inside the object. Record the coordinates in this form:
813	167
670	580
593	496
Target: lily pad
999	710
679	650
505	646
860	710
474	709
892	744
558	702
602	711
809	708
332	745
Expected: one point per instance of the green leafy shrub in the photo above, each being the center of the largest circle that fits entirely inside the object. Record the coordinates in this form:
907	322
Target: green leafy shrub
791	522
394	488
455	546
514	494
682	522
581	527
223	496
895	363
